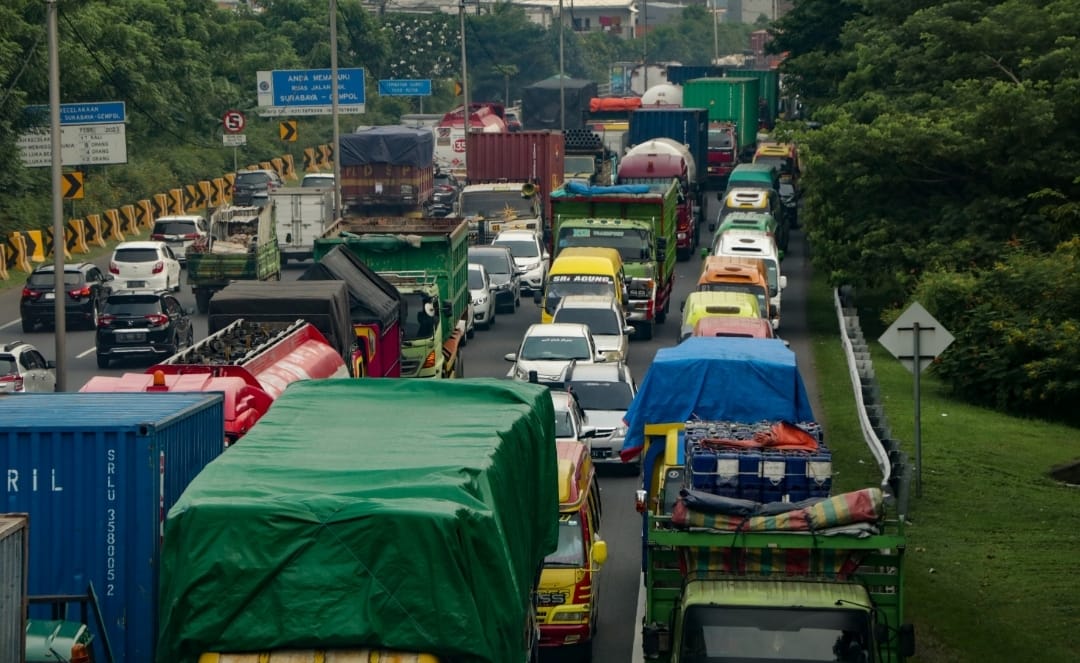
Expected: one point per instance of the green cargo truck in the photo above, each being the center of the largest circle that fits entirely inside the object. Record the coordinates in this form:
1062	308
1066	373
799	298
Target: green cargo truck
241	246
637	220
768	92
427	261
361	516
732	100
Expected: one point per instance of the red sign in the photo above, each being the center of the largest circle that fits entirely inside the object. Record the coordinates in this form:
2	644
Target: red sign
233	121
459	144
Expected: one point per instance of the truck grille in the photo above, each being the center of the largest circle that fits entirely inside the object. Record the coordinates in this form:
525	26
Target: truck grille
409	367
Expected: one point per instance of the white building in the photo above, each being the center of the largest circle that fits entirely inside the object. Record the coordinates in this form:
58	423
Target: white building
615	16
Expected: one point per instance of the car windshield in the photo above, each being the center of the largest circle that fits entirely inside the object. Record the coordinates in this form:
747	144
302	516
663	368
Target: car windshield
492	262
418	324
136	255
632	245
8	365
249	179
175	228
564	424
571	549
476	279
602	395
48	280
309	181
599	320
719	140
496	204
520	248
135	306
555	348
563	285
772	634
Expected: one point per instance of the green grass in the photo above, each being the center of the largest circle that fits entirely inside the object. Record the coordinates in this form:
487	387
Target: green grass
993	556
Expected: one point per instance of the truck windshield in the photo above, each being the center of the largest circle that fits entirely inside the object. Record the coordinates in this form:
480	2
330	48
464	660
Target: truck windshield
755	290
561	285
418	324
655	184
555	348
764	634
571	550
574	165
495	204
632	244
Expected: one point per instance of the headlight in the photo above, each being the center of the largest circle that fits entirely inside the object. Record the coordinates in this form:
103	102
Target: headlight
575	616
479	301
620	431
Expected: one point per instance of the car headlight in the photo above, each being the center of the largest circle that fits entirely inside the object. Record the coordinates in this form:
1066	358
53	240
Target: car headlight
521	374
480	301
620	431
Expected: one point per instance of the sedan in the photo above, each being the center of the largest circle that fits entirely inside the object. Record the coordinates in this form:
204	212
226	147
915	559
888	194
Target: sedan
548	349
483	299
145	265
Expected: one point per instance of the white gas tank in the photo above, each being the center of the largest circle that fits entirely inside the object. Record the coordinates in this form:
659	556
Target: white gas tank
665	94
667	146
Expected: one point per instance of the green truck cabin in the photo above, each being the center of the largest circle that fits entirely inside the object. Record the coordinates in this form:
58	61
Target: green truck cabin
641	226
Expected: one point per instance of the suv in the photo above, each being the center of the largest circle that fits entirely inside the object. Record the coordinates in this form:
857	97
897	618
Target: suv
530	255
142	322
604	392
23	368
85	290
253	187
605	319
180	232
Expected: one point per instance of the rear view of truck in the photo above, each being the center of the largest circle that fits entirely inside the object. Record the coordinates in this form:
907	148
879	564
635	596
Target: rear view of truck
242	246
387	170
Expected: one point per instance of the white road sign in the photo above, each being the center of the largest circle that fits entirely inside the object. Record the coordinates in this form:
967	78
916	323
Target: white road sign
234	140
80	145
899	338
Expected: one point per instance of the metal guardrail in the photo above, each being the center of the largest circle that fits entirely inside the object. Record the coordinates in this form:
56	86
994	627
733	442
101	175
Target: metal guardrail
891	460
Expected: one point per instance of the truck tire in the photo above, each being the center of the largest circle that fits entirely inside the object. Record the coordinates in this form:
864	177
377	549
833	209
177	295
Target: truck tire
202	301
459	366
643	331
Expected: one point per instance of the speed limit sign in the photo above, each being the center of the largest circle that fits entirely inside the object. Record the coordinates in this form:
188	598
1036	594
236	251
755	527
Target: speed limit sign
233	121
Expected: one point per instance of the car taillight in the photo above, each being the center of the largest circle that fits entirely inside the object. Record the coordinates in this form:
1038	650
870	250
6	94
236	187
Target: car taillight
158	237
27	292
157	320
15	380
105	320
81	292
114	268
191	236
158	267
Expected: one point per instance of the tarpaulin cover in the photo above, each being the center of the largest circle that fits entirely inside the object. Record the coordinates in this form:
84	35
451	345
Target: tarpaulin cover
572	188
541	106
398	145
405	514
372	298
730	379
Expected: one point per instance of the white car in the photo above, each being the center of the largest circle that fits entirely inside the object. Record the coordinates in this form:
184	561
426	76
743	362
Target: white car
180	232
605	319
530	256
571	422
23	368
604	392
548	349
483	299
320	180
145	266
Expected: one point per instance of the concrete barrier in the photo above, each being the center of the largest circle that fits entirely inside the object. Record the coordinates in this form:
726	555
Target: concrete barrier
161	205
128	223
18	259
144	214
112	225
95	230
3	263
50	242
77	236
35	245
176	201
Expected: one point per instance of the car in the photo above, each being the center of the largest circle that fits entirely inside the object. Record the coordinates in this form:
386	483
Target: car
530	256
504	273
605	319
447	189
513	120
85	288
253	187
145	265
24	369
548	349
604	392
317	180
483	298
571	424
142	323
180	232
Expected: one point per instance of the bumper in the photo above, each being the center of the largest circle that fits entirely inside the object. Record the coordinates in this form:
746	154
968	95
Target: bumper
640	310
482	315
533	280
559	635
505	298
45	311
155	282
606	451
136	349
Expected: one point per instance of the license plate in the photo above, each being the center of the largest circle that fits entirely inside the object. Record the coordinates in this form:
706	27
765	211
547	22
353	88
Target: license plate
50	295
599	453
138	337
136	284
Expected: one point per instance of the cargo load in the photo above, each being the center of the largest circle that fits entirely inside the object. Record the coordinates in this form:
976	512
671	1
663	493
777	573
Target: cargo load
387	169
242	246
96	483
393	514
302	215
733	100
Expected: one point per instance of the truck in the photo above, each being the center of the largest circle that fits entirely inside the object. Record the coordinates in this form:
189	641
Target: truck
399	520
250	362
655	163
387	170
427	260
743	554
637	220
241	246
542	103
509	181
302	215
729	100
484	117
375	307
768	93
97	482
588	159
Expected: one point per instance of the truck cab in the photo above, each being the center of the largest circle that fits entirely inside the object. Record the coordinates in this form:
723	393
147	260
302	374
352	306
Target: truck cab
492	208
583	271
723	152
657	162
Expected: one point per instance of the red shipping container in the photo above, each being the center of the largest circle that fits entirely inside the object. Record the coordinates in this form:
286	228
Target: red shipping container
520	156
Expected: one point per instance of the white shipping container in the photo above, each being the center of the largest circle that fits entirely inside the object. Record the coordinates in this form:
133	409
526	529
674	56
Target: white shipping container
303	213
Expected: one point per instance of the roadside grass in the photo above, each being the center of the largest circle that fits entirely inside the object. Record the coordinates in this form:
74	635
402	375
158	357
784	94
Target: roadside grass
993	556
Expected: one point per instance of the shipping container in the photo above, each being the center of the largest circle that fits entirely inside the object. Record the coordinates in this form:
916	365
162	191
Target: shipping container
768	91
678	74
521	156
689	126
96	473
13	557
728	100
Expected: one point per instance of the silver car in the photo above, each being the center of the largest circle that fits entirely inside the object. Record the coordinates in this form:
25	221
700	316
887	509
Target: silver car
530	255
605	319
604	392
483	299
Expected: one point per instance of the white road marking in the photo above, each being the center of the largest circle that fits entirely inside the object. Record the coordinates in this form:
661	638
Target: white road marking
13	322
80	356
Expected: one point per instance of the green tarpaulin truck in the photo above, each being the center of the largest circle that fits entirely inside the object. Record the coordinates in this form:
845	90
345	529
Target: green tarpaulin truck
427	260
360	516
637	220
241	246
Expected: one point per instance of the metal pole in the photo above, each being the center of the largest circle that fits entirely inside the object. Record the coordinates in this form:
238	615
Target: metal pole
918	411
464	77
562	73
715	36
334	108
645	43
60	337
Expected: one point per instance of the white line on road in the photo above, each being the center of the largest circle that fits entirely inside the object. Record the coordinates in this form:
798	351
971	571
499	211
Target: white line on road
80	356
13	322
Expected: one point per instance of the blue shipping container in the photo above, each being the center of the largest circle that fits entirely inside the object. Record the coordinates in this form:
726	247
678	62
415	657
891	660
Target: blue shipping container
689	126
97	473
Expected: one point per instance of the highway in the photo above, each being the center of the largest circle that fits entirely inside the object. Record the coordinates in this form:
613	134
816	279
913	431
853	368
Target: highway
621	528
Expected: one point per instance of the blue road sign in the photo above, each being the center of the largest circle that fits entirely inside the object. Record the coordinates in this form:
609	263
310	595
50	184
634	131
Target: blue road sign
310	87
405	87
98	112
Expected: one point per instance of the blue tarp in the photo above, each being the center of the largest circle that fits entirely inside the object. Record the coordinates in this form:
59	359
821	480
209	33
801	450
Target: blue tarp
730	379
572	188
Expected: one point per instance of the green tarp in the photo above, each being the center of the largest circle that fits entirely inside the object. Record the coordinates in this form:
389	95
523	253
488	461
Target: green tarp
404	514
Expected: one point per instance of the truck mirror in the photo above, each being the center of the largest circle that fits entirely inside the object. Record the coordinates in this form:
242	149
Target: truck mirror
599	553
783	282
661	244
447	308
712	227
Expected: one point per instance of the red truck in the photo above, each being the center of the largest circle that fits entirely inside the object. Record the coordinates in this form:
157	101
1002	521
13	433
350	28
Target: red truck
250	362
658	161
387	170
723	153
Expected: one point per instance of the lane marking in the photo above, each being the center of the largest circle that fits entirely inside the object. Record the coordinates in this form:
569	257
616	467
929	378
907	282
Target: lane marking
13	322
92	349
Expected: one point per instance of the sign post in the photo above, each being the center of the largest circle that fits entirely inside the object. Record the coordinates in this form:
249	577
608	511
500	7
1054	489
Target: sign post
232	126
927	338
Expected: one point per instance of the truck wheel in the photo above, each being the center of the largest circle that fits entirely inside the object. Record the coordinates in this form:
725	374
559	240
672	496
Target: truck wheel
459	366
202	300
102	361
661	316
644	331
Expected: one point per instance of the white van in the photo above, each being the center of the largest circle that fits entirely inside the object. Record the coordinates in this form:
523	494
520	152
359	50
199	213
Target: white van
756	244
302	214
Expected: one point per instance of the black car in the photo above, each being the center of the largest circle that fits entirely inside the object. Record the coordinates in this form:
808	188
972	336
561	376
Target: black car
253	187
141	323
85	288
447	189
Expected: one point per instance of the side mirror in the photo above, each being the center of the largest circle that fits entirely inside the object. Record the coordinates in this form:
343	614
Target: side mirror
599	552
110	277
720	197
783	282
628	330
661	245
907	640
600	358
50	364
712	227
519	272
447	308
682	306
510	356
704	252
189	310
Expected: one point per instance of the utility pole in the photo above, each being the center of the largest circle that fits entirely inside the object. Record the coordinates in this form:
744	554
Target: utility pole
645	43
562	73
334	109
715	36
60	337
464	75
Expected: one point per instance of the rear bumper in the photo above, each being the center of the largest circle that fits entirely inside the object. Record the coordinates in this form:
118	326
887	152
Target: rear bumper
45	311
560	635
641	310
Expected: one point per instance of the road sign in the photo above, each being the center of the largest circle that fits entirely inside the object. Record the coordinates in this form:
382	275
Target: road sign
233	121
419	87
80	145
287	131
100	112
307	92
71	186
233	140
899	339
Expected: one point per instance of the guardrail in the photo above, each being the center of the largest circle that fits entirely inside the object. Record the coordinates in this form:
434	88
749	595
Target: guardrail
891	460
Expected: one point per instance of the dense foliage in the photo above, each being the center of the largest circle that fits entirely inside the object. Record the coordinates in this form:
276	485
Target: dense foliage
948	139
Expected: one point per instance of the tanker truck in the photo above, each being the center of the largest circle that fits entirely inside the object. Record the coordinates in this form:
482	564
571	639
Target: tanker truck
655	163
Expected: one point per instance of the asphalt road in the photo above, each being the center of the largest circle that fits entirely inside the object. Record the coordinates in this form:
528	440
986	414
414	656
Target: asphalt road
620	577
